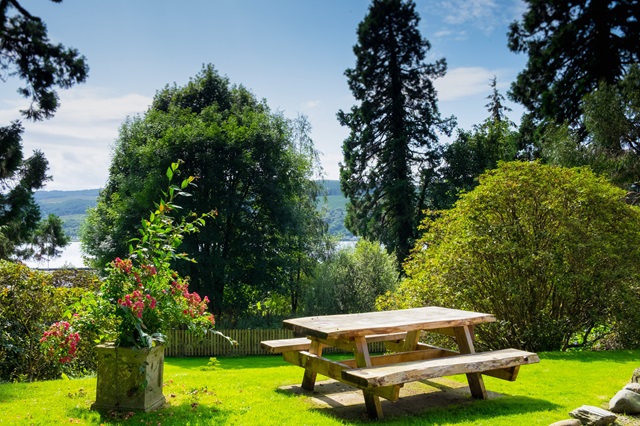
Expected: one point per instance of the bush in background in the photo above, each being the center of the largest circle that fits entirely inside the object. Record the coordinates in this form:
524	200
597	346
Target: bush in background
552	252
29	304
351	280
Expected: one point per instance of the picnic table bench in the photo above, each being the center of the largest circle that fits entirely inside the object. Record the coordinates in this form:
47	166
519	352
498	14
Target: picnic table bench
384	375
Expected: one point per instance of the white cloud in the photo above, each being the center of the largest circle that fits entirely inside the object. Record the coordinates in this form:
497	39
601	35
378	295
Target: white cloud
483	15
78	140
310	104
463	82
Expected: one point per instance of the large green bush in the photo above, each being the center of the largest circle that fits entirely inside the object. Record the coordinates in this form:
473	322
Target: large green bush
29	304
351	280
552	252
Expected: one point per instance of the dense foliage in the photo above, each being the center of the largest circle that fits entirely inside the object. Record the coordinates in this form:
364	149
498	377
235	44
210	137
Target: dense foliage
612	143
26	52
351	280
392	149
473	152
142	297
253	167
19	178
551	251
572	47
30	301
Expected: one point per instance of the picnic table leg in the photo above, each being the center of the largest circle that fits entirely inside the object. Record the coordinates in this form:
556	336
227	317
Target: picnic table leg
309	378
464	337
371	401
411	341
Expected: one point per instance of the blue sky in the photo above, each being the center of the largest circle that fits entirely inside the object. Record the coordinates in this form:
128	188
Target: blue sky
293	53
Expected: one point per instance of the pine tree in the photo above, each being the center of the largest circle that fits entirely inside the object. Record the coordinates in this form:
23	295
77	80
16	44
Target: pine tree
26	52
573	46
392	148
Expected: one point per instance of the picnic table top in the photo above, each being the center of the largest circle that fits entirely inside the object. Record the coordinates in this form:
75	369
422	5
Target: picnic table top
384	322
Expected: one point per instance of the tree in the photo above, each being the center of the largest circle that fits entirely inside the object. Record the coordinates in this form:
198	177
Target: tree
392	150
475	151
26	52
528	244
19	178
308	241
48	237
612	143
351	280
572	46
253	167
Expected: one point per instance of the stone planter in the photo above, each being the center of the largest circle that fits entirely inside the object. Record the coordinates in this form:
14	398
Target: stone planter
129	379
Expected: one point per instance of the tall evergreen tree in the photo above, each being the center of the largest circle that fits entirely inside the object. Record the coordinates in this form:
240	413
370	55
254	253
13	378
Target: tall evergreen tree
392	148
496	105
573	45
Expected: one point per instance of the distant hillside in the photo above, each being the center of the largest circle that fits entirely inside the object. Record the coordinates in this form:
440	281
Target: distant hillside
336	209
72	206
64	203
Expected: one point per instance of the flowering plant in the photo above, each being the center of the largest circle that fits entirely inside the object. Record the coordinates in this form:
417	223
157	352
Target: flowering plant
60	342
142	297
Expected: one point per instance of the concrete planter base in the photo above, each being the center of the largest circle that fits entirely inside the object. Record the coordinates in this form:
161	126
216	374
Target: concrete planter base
129	379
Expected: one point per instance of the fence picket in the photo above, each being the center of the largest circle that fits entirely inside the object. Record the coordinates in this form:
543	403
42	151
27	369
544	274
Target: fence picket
183	343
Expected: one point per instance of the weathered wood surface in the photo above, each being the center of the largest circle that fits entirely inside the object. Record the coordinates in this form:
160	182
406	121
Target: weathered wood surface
302	343
420	370
284	345
464	337
385	322
333	370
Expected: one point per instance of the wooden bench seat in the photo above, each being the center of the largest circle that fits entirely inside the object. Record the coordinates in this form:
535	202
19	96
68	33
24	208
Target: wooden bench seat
403	372
303	344
286	345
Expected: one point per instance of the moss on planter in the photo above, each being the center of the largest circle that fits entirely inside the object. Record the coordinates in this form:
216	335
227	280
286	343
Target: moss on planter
129	378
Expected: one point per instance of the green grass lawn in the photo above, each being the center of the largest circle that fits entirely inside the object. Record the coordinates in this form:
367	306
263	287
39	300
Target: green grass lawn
244	391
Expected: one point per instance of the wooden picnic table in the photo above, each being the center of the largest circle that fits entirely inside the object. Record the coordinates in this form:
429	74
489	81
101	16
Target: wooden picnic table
384	375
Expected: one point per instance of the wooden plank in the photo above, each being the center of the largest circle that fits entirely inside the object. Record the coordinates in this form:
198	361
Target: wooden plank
385	322
386	337
420	370
363	359
284	345
302	343
411	341
464	337
333	370
398	347
309	378
400	357
509	374
387	359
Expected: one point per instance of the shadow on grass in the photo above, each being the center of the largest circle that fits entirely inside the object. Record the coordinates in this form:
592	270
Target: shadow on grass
427	402
592	356
426	409
178	415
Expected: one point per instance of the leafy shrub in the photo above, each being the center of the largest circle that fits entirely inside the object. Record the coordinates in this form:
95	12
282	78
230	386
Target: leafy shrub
552	252
29	304
75	278
351	280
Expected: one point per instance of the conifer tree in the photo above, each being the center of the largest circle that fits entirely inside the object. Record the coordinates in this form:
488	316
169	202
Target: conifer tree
392	150
573	46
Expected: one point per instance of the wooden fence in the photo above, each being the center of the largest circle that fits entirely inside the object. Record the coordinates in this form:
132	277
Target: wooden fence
182	343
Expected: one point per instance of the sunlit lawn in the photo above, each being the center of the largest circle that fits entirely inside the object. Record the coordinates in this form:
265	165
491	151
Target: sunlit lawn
244	391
